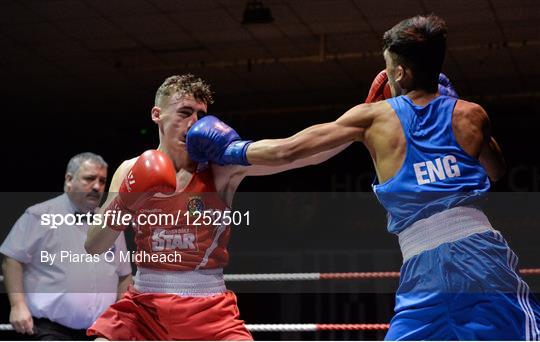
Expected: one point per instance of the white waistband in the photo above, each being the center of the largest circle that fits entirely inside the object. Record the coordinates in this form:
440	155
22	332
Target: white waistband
199	283
447	226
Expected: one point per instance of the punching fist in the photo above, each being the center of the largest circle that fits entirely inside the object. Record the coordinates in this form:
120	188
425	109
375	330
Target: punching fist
380	89
152	172
210	139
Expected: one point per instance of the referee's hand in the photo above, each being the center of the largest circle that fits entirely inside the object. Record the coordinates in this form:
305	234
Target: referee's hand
21	319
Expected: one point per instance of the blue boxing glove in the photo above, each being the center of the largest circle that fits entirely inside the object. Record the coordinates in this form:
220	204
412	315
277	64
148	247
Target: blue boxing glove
210	139
446	87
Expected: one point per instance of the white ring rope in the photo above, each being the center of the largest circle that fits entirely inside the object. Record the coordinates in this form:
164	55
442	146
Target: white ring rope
288	327
281	327
272	276
325	276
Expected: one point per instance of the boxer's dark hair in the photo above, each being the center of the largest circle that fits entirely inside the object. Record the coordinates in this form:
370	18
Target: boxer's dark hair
419	43
184	84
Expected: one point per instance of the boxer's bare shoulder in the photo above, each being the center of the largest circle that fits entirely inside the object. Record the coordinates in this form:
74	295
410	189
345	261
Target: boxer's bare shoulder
385	140
466	113
382	117
470	124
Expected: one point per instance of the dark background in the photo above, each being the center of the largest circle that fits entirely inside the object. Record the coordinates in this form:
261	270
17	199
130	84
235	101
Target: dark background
80	75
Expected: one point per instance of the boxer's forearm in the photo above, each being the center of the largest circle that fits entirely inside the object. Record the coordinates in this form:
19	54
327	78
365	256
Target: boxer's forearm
267	152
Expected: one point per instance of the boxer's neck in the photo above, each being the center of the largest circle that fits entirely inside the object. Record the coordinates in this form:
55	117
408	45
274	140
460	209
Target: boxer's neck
420	97
180	158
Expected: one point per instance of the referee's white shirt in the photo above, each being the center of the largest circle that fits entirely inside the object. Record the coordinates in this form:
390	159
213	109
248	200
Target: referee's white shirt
69	291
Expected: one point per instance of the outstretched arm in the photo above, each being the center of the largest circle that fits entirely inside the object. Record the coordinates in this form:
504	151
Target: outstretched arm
265	170
210	139
350	127
310	146
229	177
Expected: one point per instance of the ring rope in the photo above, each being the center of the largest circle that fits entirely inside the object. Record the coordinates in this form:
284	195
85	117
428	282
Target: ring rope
290	327
331	276
326	276
309	276
316	327
529	271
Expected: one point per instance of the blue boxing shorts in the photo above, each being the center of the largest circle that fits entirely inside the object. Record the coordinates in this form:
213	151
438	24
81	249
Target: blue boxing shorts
459	281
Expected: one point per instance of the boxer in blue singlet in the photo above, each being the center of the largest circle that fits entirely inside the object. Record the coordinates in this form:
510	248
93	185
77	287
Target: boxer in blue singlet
433	155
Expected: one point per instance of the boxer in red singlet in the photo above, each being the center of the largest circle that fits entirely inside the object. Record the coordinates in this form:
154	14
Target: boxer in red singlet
176	299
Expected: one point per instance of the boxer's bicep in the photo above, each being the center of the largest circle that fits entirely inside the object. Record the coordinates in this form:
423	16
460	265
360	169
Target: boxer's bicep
361	117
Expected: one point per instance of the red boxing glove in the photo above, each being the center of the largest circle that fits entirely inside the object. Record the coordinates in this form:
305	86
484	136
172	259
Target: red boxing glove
380	89
152	172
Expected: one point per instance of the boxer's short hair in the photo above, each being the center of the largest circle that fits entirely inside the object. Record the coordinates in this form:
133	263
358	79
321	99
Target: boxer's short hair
184	84
419	43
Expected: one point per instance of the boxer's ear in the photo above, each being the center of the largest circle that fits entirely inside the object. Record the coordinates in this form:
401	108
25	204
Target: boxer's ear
404	77
155	114
400	73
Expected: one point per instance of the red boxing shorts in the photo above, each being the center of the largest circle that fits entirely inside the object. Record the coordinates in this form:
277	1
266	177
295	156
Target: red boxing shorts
162	316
